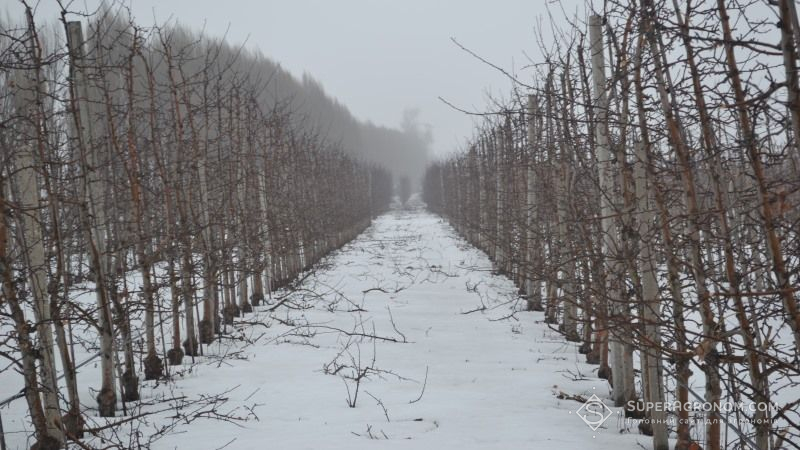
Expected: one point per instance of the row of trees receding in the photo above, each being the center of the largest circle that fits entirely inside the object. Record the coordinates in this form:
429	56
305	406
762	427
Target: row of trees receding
157	168
643	193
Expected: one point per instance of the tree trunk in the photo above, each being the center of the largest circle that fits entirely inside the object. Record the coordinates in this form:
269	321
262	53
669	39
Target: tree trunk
533	247
92	211
28	352
606	177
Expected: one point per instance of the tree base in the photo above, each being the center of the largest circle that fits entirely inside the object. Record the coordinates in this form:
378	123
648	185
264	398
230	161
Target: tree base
191	346
73	424
130	386
257	299
47	443
635	412
107	402
175	356
537	307
229	313
604	372
247	308
153	367
206	331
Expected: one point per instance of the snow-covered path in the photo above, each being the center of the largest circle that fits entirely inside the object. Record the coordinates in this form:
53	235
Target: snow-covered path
491	380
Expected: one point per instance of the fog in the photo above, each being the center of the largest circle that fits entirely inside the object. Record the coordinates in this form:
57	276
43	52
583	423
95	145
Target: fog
385	63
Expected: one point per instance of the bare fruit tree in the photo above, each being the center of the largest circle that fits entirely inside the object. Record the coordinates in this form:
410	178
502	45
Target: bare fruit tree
648	203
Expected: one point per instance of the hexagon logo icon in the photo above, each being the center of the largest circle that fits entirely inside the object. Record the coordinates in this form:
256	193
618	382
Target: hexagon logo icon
594	412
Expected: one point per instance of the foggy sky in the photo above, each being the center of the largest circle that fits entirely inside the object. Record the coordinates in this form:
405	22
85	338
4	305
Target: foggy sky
380	58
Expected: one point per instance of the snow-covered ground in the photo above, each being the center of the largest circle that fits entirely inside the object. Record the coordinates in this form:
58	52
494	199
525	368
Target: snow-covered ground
452	367
490	383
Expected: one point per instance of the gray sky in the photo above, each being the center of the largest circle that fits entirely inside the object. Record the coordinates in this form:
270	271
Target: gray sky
378	57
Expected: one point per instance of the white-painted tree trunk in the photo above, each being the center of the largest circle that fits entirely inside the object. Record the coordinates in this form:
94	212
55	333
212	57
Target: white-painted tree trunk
26	180
499	154
92	210
533	286
605	169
